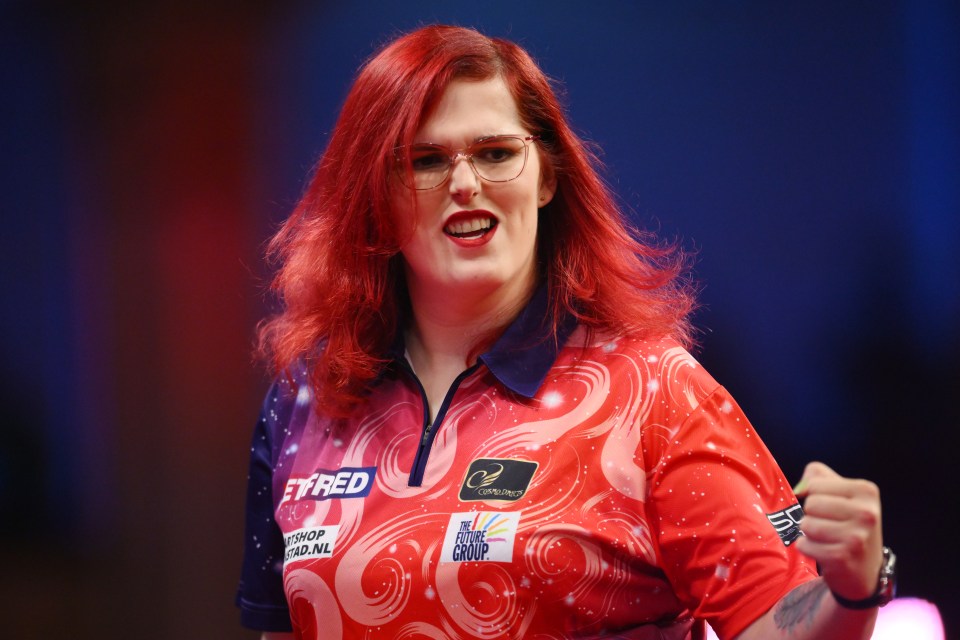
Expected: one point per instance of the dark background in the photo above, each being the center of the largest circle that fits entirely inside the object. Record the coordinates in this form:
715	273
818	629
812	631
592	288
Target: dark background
806	152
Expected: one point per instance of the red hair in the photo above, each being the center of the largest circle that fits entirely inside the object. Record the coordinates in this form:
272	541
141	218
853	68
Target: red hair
341	277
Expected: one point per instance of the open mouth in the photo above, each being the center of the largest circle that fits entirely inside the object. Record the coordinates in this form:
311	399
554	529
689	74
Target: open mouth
471	228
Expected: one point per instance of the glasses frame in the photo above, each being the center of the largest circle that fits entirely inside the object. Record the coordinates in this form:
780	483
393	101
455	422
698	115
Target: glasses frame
455	154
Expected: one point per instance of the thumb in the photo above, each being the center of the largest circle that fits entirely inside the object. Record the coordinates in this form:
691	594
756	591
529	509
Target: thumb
812	471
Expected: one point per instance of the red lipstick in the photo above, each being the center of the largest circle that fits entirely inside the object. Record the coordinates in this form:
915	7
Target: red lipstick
471	228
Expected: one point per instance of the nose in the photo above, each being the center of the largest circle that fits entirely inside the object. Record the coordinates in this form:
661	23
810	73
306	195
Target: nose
464	182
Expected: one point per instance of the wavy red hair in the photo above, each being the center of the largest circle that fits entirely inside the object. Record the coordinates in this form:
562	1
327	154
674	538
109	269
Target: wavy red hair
340	279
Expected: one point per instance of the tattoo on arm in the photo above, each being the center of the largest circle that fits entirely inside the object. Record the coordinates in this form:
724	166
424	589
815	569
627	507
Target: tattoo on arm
799	605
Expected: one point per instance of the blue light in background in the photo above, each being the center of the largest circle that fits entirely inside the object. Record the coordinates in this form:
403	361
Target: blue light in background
933	58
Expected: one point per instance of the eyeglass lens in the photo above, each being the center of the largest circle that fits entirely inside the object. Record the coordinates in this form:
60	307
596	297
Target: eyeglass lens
496	159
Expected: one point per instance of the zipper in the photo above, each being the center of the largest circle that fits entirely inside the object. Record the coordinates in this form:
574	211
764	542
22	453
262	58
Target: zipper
430	430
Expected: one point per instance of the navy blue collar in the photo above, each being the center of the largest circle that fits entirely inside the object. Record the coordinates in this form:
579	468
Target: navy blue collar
522	356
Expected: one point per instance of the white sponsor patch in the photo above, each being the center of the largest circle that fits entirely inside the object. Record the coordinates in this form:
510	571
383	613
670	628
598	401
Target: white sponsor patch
310	543
480	536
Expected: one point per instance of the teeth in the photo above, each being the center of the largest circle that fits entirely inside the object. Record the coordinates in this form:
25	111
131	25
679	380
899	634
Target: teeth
466	227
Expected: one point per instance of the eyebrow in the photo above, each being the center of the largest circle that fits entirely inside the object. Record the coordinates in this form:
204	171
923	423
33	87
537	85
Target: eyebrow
480	138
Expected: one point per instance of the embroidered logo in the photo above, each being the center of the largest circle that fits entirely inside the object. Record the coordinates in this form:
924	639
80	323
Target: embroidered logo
309	543
480	536
497	479
787	523
348	482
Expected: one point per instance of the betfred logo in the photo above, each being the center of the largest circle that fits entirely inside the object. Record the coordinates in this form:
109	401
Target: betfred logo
787	523
323	484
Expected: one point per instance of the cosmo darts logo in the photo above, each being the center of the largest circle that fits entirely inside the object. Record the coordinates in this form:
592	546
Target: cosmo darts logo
480	537
323	484
497	479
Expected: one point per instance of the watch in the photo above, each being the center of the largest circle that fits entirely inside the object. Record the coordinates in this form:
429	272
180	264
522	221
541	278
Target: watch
886	586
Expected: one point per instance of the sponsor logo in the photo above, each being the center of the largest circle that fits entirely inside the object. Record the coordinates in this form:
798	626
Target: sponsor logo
497	479
787	523
348	482
310	543
481	536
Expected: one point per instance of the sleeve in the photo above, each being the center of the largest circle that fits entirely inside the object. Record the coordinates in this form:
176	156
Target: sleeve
260	597
719	501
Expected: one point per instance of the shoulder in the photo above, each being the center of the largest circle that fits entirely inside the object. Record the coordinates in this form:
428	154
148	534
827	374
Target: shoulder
288	401
287	390
661	365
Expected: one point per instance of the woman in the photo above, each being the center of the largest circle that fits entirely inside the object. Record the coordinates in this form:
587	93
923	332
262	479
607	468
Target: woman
486	424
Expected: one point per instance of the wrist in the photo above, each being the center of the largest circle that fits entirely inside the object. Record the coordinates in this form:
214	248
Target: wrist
886	586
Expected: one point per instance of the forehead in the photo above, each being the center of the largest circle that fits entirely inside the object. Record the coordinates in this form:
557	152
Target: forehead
470	109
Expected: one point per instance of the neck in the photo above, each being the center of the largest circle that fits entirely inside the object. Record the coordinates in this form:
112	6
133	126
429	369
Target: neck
446	325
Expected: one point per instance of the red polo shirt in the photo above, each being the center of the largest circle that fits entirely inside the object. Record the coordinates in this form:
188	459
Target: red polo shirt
602	490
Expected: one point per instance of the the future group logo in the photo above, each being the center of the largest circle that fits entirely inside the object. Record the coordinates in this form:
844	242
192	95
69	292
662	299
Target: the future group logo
480	536
324	484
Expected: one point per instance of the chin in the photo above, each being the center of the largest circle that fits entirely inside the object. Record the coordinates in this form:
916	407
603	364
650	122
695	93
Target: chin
476	281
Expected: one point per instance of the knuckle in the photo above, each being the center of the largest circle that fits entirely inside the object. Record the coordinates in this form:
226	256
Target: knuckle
815	467
868	488
857	542
870	517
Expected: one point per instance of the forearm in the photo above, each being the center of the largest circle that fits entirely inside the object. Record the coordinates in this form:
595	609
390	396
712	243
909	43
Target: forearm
810	612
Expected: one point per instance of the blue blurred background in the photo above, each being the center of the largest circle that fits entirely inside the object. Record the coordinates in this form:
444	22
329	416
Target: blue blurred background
807	153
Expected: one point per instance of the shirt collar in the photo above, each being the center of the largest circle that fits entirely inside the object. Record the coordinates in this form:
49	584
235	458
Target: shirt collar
521	358
523	355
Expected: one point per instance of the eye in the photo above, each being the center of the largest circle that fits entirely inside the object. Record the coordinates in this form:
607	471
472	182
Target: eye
428	158
496	151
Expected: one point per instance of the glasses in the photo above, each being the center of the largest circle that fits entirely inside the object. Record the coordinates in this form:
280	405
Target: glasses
494	159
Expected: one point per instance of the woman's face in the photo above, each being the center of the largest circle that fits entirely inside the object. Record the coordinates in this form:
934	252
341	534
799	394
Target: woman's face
471	237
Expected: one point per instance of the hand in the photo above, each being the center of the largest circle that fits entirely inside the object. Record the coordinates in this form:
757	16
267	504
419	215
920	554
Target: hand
842	530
